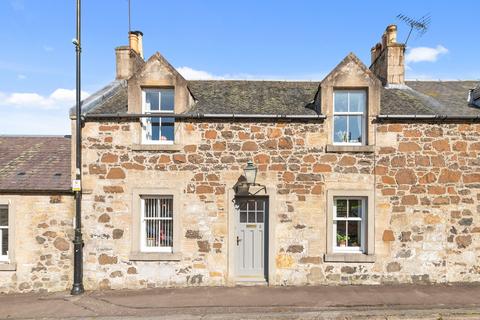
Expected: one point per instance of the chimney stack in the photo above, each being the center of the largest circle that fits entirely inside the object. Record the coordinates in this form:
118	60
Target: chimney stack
129	58
388	58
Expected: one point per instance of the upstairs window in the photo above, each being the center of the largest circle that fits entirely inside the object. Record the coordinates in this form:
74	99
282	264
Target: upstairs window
349	108
3	233
159	130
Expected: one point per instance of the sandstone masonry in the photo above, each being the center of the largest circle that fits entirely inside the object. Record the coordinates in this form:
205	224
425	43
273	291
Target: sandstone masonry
425	178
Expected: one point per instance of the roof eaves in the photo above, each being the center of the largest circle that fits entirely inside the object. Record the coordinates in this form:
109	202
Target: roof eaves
36	191
436	117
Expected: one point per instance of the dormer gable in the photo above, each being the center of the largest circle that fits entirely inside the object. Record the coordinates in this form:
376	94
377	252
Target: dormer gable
158	73
351	77
350	71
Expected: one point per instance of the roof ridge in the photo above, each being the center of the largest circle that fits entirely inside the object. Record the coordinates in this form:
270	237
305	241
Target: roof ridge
66	136
254	80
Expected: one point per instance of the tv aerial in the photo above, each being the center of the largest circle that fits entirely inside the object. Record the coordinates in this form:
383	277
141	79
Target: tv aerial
419	25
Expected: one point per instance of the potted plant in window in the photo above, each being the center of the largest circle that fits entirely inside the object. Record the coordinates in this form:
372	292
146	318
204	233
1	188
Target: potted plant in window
343	136
342	240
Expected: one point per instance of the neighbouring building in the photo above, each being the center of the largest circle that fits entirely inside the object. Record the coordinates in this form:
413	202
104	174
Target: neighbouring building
36	213
361	178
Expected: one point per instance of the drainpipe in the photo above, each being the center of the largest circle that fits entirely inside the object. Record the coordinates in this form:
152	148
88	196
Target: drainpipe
77	287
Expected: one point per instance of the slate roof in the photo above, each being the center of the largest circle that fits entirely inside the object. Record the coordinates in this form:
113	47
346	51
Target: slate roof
112	98
253	97
430	98
35	164
298	98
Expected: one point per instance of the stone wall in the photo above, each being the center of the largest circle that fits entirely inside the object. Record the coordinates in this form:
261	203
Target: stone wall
42	227
426	187
429	185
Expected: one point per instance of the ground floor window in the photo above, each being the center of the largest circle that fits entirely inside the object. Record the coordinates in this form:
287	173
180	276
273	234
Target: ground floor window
3	232
349	215
157	223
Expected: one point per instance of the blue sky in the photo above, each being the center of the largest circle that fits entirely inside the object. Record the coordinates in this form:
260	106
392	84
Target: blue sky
269	39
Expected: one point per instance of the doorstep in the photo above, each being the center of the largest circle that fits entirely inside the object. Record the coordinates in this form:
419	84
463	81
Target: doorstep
251	281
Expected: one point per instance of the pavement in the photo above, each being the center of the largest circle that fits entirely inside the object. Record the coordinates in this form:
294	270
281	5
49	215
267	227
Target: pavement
231	303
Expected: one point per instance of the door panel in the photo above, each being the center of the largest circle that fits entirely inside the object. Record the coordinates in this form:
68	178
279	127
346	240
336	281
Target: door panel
250	234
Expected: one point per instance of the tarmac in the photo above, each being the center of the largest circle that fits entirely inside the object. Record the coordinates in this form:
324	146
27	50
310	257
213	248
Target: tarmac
438	302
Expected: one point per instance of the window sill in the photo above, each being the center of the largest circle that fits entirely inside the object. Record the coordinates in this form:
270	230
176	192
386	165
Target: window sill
155	256
157	147
8	266
349	257
346	148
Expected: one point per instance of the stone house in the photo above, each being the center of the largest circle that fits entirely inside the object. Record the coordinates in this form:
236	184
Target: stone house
36	212
362	178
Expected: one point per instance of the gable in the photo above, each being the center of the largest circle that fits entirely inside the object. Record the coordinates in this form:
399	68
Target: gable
157	68
157	73
351	72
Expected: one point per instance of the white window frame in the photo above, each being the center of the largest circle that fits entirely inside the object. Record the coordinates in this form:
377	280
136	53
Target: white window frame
5	258
143	235
362	219
144	121
348	113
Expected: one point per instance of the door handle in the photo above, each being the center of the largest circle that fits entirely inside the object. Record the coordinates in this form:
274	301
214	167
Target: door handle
238	240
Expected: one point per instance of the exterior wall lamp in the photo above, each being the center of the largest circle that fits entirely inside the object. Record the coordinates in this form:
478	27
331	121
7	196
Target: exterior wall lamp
242	187
250	173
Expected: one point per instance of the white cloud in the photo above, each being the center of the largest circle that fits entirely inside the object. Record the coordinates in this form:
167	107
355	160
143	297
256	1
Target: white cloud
192	74
420	54
58	99
22	121
21	77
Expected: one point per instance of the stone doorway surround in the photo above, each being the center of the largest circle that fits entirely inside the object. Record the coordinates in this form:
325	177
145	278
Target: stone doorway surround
254	248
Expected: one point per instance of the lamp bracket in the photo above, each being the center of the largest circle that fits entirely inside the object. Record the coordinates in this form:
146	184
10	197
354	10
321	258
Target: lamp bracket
248	185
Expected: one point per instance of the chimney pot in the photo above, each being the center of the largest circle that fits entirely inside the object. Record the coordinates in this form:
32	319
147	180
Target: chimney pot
391	34
135	39
140	43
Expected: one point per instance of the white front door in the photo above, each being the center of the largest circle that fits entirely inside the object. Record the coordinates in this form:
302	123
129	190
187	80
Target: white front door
251	256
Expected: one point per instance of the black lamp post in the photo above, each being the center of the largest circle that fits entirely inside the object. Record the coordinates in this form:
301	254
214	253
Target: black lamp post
77	287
